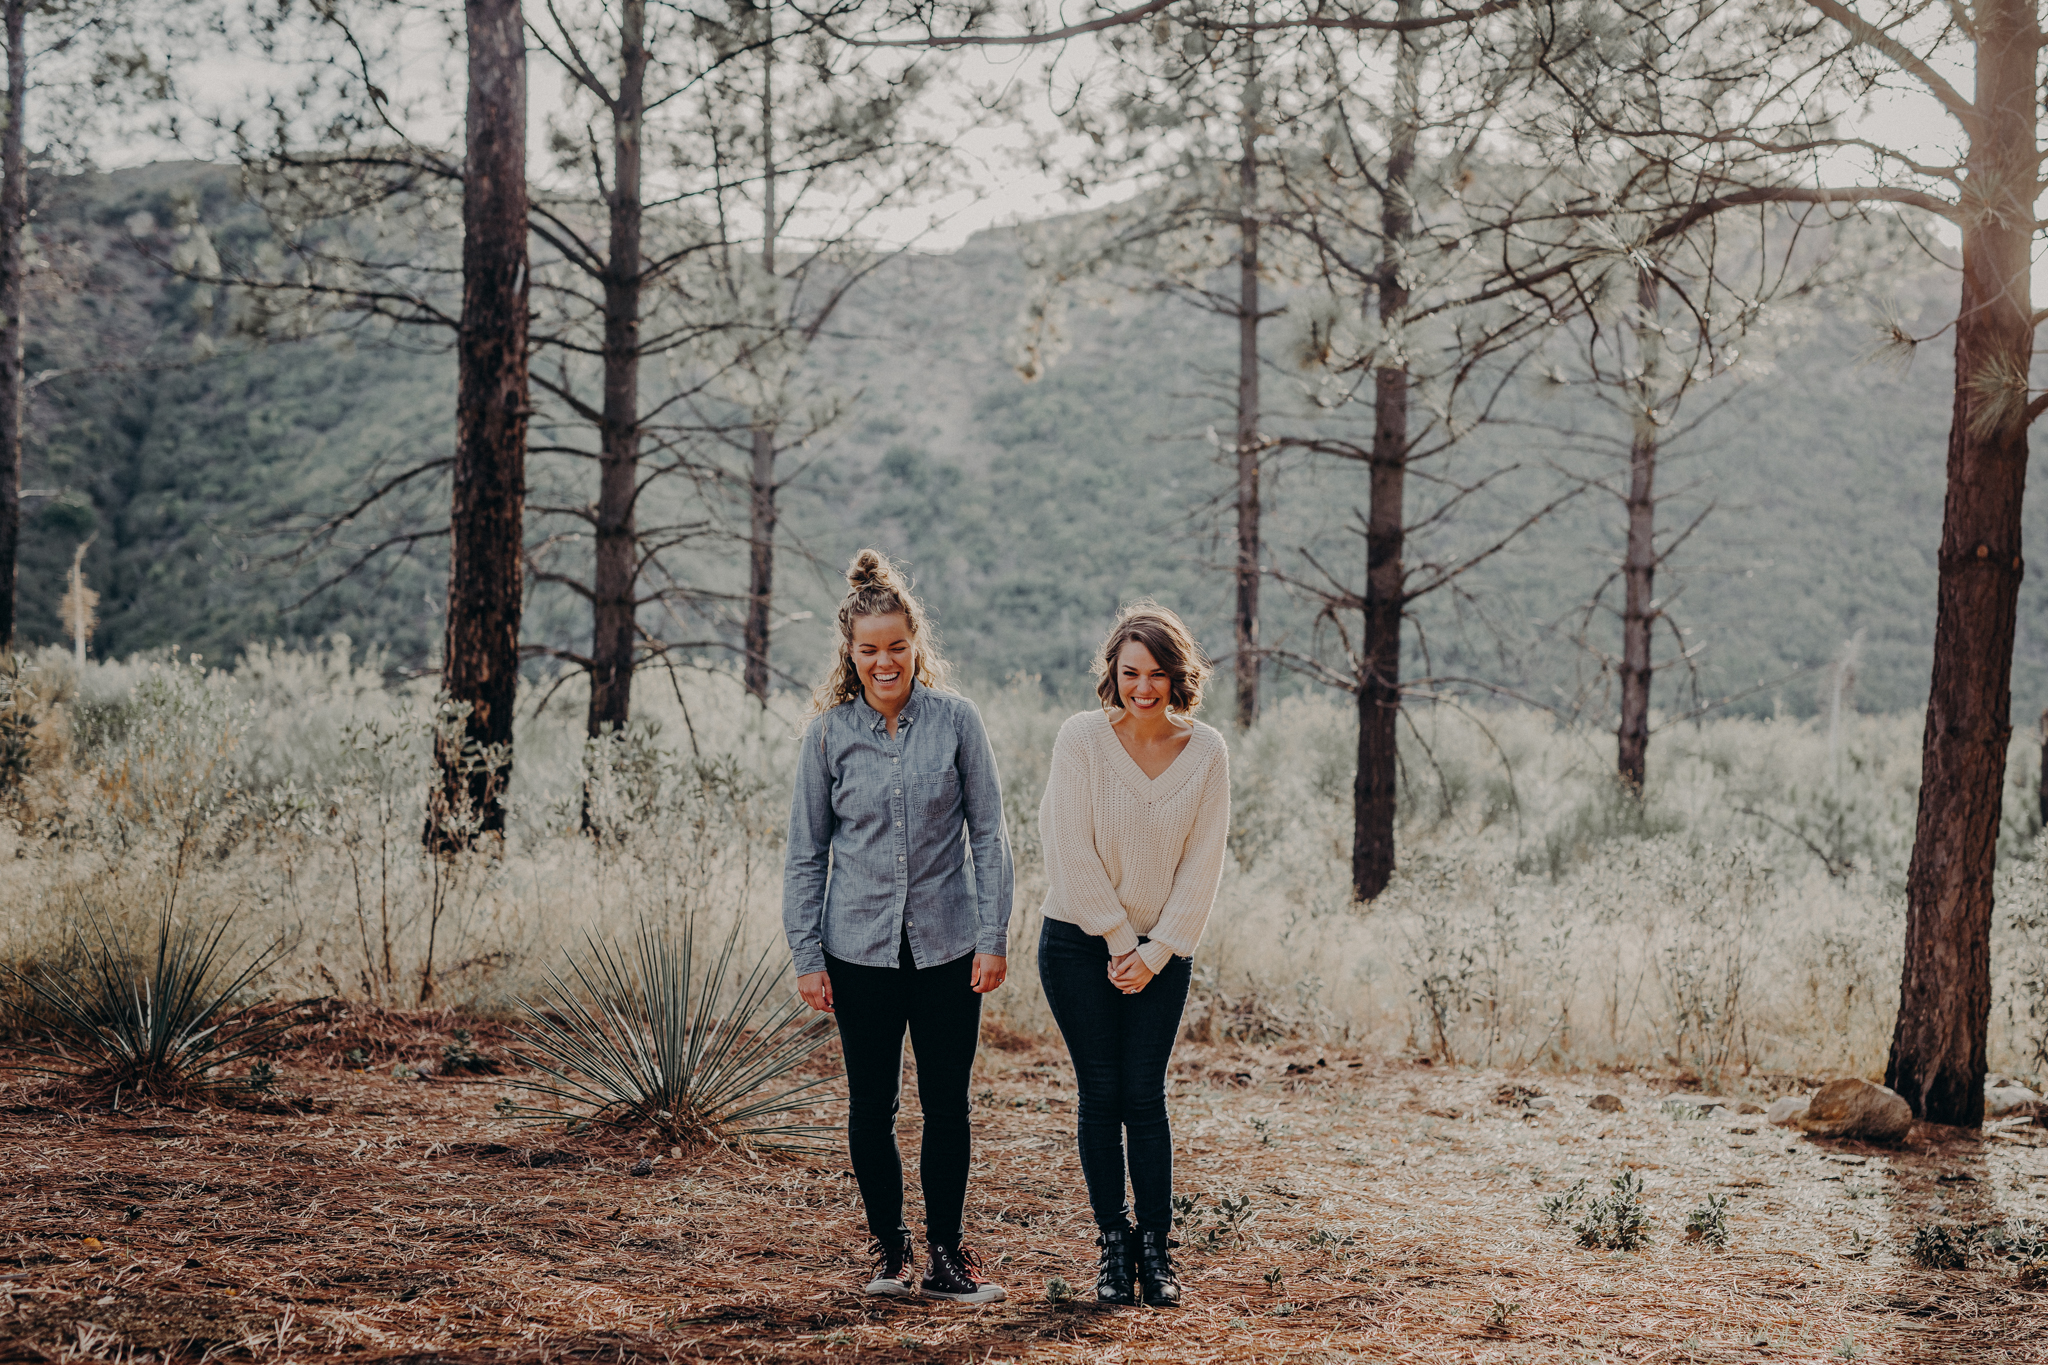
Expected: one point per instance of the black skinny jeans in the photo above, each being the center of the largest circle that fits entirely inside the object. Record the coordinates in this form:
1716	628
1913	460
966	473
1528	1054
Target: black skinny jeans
1120	1045
873	1006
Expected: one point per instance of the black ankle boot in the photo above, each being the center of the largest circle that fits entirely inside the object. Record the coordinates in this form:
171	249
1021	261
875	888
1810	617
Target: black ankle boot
1155	1271
1113	1278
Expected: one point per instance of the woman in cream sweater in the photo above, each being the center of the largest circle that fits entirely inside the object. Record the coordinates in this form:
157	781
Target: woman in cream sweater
1135	821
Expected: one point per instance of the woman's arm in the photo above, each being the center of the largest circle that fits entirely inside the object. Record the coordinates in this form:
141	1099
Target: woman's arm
808	860
988	839
1186	912
1066	821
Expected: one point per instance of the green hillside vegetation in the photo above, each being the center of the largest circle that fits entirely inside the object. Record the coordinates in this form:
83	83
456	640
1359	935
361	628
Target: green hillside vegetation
1027	510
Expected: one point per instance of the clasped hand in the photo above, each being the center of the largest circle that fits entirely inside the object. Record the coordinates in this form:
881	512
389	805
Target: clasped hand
1129	973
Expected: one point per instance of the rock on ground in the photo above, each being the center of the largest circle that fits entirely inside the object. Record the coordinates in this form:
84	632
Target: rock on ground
1606	1104
1854	1108
2006	1100
1787	1110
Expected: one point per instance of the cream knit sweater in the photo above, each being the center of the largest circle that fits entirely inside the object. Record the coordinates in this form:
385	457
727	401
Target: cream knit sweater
1130	855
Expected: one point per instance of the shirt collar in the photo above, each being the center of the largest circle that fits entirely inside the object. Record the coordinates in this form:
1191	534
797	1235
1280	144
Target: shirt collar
875	720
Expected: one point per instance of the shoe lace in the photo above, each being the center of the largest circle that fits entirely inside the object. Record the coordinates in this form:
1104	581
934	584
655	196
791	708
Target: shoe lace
888	1256
965	1259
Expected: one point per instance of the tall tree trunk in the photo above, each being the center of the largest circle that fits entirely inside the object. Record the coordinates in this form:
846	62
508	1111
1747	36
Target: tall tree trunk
616	582
761	475
1639	561
1248	397
487	508
13	222
1373	790
1938	1048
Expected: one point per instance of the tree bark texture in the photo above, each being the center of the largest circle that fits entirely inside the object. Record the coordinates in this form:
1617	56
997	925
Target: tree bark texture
1938	1048
616	580
13	222
761	513
1374	789
487	507
1639	560
760	559
1247	569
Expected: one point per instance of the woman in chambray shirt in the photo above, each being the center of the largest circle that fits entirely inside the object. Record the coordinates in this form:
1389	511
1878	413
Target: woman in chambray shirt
885	930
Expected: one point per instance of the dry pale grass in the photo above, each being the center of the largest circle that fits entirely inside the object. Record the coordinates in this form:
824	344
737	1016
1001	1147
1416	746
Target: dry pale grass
1394	1214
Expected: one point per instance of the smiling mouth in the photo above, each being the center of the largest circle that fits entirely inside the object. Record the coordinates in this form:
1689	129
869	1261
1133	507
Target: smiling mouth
884	679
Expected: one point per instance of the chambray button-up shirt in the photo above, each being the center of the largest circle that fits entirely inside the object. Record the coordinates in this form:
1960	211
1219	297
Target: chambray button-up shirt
876	833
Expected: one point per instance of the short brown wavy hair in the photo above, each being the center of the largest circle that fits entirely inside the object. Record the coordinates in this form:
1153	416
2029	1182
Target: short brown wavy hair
1170	643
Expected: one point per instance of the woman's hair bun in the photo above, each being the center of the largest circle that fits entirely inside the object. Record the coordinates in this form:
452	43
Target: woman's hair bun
871	569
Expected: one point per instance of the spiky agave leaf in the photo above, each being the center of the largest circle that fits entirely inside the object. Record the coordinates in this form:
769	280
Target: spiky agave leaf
158	1021
636	1036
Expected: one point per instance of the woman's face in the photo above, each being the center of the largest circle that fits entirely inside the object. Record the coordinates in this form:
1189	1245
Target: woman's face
884	656
1140	681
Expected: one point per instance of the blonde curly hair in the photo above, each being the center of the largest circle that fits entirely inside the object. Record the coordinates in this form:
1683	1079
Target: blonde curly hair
876	587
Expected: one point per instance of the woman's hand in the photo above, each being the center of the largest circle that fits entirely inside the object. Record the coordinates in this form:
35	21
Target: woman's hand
1129	973
990	971
816	989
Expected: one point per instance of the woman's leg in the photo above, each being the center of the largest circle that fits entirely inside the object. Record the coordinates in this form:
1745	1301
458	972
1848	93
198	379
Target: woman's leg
869	1005
1152	1023
945	1026
1073	966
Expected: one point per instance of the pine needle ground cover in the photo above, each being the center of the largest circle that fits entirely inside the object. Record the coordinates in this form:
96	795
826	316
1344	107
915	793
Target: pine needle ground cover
1334	1207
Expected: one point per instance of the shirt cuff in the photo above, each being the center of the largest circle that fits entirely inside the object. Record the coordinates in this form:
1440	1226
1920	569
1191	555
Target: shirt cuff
995	943
1156	954
803	964
1121	939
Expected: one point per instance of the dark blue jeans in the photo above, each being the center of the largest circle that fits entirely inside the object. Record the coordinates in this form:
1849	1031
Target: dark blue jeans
1120	1045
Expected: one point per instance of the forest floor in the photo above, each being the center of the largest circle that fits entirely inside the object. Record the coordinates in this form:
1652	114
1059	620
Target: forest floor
1347	1207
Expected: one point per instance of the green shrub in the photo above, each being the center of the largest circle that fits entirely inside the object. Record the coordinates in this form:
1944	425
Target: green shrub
160	1019
649	1037
1616	1221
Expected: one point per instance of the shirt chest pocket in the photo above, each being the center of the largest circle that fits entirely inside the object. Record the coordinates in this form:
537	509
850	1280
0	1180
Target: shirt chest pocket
936	796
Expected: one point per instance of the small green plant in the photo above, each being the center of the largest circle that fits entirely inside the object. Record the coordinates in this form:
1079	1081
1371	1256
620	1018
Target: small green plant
1209	1227
1274	1277
1937	1247
1283	1310
1058	1290
1616	1221
505	1108
162	1018
1848	1350
355	1059
639	1038
262	1076
1709	1222
1330	1239
1559	1207
1500	1314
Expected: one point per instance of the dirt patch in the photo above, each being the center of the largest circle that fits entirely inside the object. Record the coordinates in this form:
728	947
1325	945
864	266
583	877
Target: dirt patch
1341	1207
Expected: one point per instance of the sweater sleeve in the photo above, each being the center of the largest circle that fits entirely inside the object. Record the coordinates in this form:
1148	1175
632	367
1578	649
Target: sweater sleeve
1186	912
1066	823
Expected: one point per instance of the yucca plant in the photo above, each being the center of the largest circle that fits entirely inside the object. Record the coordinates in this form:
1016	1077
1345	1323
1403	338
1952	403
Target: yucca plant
161	1019
650	1036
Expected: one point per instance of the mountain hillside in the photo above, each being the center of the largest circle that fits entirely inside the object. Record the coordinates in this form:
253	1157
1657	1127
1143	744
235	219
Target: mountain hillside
1027	510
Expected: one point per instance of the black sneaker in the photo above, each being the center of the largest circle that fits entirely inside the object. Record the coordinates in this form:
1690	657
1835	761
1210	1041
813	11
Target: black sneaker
955	1275
892	1267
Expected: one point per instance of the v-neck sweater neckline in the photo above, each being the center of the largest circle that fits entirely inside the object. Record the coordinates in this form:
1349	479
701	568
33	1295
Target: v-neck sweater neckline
1168	782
